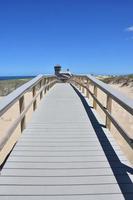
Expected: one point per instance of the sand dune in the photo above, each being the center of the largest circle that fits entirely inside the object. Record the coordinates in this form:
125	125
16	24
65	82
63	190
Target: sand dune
126	90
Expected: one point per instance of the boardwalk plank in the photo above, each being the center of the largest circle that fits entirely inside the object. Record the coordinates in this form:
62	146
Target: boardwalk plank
70	197
4	180
60	190
59	156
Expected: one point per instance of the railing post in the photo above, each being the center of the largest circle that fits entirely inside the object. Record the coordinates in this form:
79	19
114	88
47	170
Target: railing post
21	108
51	85
48	83
78	79
41	93
83	89
45	82
109	108
87	92
80	85
85	83
95	94
76	85
33	94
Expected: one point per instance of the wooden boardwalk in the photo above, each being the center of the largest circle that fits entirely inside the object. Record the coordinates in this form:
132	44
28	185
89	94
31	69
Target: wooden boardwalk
64	154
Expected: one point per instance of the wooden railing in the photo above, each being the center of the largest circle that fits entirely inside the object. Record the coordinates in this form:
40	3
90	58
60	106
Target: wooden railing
82	82
41	84
38	87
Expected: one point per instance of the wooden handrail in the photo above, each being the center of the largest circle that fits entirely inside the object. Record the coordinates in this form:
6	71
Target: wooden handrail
123	101
18	95
9	132
127	104
14	96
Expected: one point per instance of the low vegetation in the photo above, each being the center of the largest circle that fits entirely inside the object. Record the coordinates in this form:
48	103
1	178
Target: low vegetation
125	80
7	86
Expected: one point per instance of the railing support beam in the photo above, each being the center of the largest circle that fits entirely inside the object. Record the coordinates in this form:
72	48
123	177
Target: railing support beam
95	94
35	102
87	92
41	93
109	108
21	108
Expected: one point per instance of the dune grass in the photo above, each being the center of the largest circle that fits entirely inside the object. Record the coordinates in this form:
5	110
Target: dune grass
124	80
7	86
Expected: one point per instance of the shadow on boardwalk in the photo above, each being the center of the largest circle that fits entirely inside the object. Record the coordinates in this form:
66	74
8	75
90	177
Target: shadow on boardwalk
119	169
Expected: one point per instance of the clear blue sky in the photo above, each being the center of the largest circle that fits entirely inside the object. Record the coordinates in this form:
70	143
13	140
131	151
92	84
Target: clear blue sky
87	36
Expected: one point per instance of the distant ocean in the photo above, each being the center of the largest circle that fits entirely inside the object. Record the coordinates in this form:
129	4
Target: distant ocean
15	77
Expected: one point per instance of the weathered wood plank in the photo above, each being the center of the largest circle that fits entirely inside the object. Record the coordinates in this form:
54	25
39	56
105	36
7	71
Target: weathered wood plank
61	190
60	172
70	197
56	153
80	165
58	157
4	180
